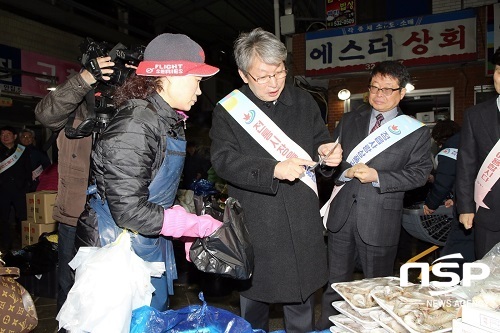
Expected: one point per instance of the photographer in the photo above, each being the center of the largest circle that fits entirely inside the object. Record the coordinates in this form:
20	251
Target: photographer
53	111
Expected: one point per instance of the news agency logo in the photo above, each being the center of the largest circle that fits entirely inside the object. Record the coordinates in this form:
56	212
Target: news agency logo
474	271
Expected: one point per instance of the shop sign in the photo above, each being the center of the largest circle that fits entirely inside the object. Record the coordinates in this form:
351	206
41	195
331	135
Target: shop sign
41	64
340	13
474	271
10	58
5	101
424	40
9	88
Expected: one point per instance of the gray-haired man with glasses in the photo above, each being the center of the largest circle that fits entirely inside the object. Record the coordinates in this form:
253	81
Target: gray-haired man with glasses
364	219
281	209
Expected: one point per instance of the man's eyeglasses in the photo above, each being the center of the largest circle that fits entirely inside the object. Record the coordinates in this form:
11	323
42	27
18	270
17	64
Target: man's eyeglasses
265	79
386	91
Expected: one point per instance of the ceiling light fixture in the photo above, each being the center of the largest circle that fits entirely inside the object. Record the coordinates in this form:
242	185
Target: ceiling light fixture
344	94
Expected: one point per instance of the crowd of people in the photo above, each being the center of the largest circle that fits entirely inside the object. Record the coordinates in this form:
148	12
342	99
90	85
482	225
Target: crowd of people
127	176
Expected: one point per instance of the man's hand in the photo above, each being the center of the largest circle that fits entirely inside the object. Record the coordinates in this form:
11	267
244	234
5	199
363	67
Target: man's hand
364	173
335	158
105	68
291	169
467	220
448	203
428	211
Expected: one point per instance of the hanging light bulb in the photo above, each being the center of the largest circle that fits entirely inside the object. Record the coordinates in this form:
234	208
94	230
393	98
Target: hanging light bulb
52	85
344	94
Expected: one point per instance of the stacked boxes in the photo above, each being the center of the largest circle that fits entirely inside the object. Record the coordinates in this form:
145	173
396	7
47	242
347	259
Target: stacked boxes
477	320
40	206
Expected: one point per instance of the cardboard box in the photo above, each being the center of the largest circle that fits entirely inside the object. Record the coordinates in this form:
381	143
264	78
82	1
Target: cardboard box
486	320
25	233
40	206
31	232
460	327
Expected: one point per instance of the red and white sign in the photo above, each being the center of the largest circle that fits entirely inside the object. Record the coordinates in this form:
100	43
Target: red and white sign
41	64
433	39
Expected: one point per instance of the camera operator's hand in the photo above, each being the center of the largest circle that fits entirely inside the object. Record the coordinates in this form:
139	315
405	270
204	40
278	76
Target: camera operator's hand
100	68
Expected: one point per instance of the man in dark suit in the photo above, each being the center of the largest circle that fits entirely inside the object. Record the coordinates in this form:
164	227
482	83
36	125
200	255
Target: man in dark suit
479	147
364	219
15	180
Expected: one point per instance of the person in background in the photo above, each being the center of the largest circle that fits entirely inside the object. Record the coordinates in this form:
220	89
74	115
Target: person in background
477	185
196	164
446	134
53	111
364	218
137	160
272	181
39	159
15	181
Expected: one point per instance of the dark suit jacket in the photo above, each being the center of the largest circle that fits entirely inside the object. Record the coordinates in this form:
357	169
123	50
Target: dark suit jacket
402	167
480	132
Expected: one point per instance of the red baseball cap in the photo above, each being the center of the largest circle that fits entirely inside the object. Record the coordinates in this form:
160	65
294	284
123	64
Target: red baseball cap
174	55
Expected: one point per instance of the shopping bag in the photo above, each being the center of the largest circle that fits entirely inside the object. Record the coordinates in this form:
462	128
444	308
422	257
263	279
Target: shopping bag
192	318
228	250
17	309
110	282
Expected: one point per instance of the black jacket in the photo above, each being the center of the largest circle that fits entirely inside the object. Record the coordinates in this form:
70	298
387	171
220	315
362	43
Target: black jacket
282	217
444	181
18	176
125	160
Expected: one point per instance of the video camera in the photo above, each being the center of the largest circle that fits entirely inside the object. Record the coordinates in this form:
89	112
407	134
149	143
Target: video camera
119	54
100	104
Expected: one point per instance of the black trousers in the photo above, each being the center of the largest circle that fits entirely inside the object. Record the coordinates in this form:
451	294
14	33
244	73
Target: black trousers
345	249
298	317
484	241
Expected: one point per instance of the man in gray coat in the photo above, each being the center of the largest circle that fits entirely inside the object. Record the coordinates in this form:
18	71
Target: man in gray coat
266	171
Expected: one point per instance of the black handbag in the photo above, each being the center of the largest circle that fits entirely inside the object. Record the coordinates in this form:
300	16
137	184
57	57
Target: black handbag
228	250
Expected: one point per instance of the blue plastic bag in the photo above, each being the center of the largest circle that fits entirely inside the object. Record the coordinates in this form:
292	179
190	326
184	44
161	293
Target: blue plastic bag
203	187
193	318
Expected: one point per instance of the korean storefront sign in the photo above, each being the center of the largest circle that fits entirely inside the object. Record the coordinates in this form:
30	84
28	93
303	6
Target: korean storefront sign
434	39
340	13
17	61
42	64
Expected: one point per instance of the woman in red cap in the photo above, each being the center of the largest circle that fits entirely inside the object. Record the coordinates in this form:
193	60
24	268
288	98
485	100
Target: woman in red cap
137	161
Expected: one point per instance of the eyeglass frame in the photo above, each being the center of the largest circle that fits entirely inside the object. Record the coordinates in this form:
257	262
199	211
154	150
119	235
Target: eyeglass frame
269	76
392	90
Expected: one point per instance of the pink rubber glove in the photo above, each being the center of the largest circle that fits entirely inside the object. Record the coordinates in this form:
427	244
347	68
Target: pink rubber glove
178	223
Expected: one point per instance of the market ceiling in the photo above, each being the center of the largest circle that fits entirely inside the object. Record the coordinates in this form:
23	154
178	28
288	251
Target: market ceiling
213	23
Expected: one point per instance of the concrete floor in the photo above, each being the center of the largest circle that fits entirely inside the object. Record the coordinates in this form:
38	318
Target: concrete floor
220	293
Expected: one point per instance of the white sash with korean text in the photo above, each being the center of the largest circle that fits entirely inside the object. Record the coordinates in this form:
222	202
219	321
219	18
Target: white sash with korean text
447	152
487	177
375	143
12	159
256	123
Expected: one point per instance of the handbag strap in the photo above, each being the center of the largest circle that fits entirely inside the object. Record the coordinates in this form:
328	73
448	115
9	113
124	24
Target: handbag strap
10	271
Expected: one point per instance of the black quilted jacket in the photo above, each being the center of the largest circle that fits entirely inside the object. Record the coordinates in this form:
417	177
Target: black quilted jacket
126	158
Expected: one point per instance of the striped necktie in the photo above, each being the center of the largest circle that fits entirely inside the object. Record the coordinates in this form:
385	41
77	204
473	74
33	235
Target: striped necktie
379	118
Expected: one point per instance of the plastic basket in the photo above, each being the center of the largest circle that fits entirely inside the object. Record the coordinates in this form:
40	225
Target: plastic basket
428	228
